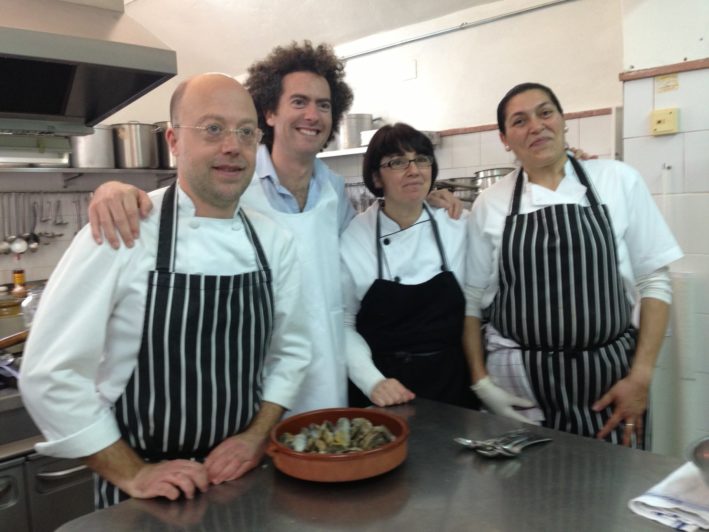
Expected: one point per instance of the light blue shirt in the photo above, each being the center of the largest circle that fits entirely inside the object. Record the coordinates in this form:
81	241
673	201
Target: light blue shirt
282	200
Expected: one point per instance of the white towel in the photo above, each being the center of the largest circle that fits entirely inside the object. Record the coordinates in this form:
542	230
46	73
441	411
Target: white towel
680	501
506	369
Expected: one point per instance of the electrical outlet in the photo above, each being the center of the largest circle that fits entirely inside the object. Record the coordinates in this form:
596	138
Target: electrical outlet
665	121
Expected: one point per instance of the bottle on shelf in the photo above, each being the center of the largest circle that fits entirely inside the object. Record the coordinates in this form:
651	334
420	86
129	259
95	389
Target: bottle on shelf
19	290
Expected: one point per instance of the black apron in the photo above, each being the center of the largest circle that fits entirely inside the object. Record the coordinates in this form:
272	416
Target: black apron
415	332
198	375
561	298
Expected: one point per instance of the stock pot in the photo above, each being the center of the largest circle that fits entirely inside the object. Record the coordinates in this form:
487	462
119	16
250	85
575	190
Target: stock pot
136	145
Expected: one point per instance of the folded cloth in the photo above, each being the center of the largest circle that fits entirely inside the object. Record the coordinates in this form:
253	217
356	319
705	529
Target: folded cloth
680	501
506	369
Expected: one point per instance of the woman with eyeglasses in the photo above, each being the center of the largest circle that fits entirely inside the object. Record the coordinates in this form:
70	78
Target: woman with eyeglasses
559	251
402	268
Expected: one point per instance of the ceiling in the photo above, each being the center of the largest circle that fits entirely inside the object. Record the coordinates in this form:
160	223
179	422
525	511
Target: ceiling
228	35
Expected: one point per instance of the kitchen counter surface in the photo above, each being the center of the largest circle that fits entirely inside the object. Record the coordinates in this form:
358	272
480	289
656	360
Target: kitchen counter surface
570	484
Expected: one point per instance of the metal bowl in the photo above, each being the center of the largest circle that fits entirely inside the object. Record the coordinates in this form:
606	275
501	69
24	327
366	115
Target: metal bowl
489	177
328	467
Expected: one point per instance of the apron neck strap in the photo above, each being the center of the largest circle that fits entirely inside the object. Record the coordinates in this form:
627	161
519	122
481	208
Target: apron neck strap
167	231
436	234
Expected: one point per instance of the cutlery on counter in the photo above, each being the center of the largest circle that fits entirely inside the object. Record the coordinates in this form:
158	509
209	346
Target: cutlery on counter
507	445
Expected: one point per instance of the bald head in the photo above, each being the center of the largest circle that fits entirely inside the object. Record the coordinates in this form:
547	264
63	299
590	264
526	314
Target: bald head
202	83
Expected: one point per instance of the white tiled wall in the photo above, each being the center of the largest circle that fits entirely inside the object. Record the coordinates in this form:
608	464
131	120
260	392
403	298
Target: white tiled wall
676	168
462	155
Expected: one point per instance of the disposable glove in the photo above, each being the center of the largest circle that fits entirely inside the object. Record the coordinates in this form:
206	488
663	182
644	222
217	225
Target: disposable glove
500	402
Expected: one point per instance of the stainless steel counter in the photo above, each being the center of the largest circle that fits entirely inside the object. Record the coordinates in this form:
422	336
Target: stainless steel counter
572	484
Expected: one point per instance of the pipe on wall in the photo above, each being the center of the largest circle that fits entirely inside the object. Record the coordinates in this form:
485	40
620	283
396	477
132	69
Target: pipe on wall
459	27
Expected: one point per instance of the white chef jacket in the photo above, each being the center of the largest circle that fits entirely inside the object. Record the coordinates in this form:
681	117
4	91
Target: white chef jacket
86	334
411	255
644	241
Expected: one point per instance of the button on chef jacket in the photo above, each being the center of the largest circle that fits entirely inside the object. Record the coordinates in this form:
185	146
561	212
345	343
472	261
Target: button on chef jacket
87	331
409	256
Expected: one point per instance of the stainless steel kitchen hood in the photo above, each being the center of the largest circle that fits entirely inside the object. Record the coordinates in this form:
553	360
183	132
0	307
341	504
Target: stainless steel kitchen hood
66	67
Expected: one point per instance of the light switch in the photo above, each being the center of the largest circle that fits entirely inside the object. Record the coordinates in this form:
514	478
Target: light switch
664	121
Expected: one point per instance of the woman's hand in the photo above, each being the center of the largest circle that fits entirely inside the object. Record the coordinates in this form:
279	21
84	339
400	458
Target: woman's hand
499	401
118	206
628	398
444	199
390	392
581	155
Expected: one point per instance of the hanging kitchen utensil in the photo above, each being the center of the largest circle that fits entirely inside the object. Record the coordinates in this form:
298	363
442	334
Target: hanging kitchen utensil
18	244
33	239
4	244
58	216
46	210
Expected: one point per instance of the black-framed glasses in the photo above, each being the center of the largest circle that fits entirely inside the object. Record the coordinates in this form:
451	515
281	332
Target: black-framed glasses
402	163
247	135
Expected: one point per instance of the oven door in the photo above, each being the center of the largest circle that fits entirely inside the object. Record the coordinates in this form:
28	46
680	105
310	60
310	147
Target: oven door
59	490
13	498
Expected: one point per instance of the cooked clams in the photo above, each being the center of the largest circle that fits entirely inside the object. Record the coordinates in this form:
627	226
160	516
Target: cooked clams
345	436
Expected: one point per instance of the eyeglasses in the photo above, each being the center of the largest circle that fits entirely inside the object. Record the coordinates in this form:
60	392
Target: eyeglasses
248	136
402	163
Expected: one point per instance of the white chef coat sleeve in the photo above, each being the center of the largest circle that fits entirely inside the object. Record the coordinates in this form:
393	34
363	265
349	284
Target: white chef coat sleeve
65	350
360	367
650	242
479	260
289	353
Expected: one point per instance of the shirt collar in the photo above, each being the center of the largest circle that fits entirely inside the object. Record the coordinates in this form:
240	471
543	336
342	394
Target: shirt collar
186	208
569	190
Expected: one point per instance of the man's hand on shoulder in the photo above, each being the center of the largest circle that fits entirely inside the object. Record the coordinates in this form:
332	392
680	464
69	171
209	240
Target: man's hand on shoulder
445	199
118	206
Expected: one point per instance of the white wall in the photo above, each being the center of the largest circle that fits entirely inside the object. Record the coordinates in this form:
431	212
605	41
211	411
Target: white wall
662	32
456	79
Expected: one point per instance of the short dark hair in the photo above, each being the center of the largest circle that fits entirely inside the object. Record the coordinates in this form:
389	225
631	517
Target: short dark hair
265	81
396	139
518	89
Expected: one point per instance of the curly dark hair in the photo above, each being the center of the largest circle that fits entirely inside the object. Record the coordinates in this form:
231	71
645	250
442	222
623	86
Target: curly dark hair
265	81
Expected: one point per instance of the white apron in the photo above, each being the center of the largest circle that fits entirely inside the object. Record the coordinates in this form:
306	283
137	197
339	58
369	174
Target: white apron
316	232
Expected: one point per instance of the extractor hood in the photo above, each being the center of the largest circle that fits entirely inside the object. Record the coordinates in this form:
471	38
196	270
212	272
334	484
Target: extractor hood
66	67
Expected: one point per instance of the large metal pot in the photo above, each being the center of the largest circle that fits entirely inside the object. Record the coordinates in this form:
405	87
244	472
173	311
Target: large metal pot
351	128
167	159
95	150
136	145
487	178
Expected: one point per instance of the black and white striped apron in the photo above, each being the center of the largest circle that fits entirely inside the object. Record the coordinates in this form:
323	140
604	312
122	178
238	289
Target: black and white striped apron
198	375
561	298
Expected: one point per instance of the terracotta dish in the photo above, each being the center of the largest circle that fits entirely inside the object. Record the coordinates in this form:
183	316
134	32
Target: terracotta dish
339	467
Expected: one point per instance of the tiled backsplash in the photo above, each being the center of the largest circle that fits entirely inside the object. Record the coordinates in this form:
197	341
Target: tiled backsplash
676	168
464	154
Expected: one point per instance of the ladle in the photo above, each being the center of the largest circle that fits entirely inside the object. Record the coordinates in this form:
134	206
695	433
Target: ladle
33	239
18	244
4	244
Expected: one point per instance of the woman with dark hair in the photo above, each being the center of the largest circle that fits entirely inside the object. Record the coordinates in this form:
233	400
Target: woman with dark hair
559	251
402	268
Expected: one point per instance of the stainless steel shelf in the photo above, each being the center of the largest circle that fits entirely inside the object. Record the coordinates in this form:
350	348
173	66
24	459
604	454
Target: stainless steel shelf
86	171
342	153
